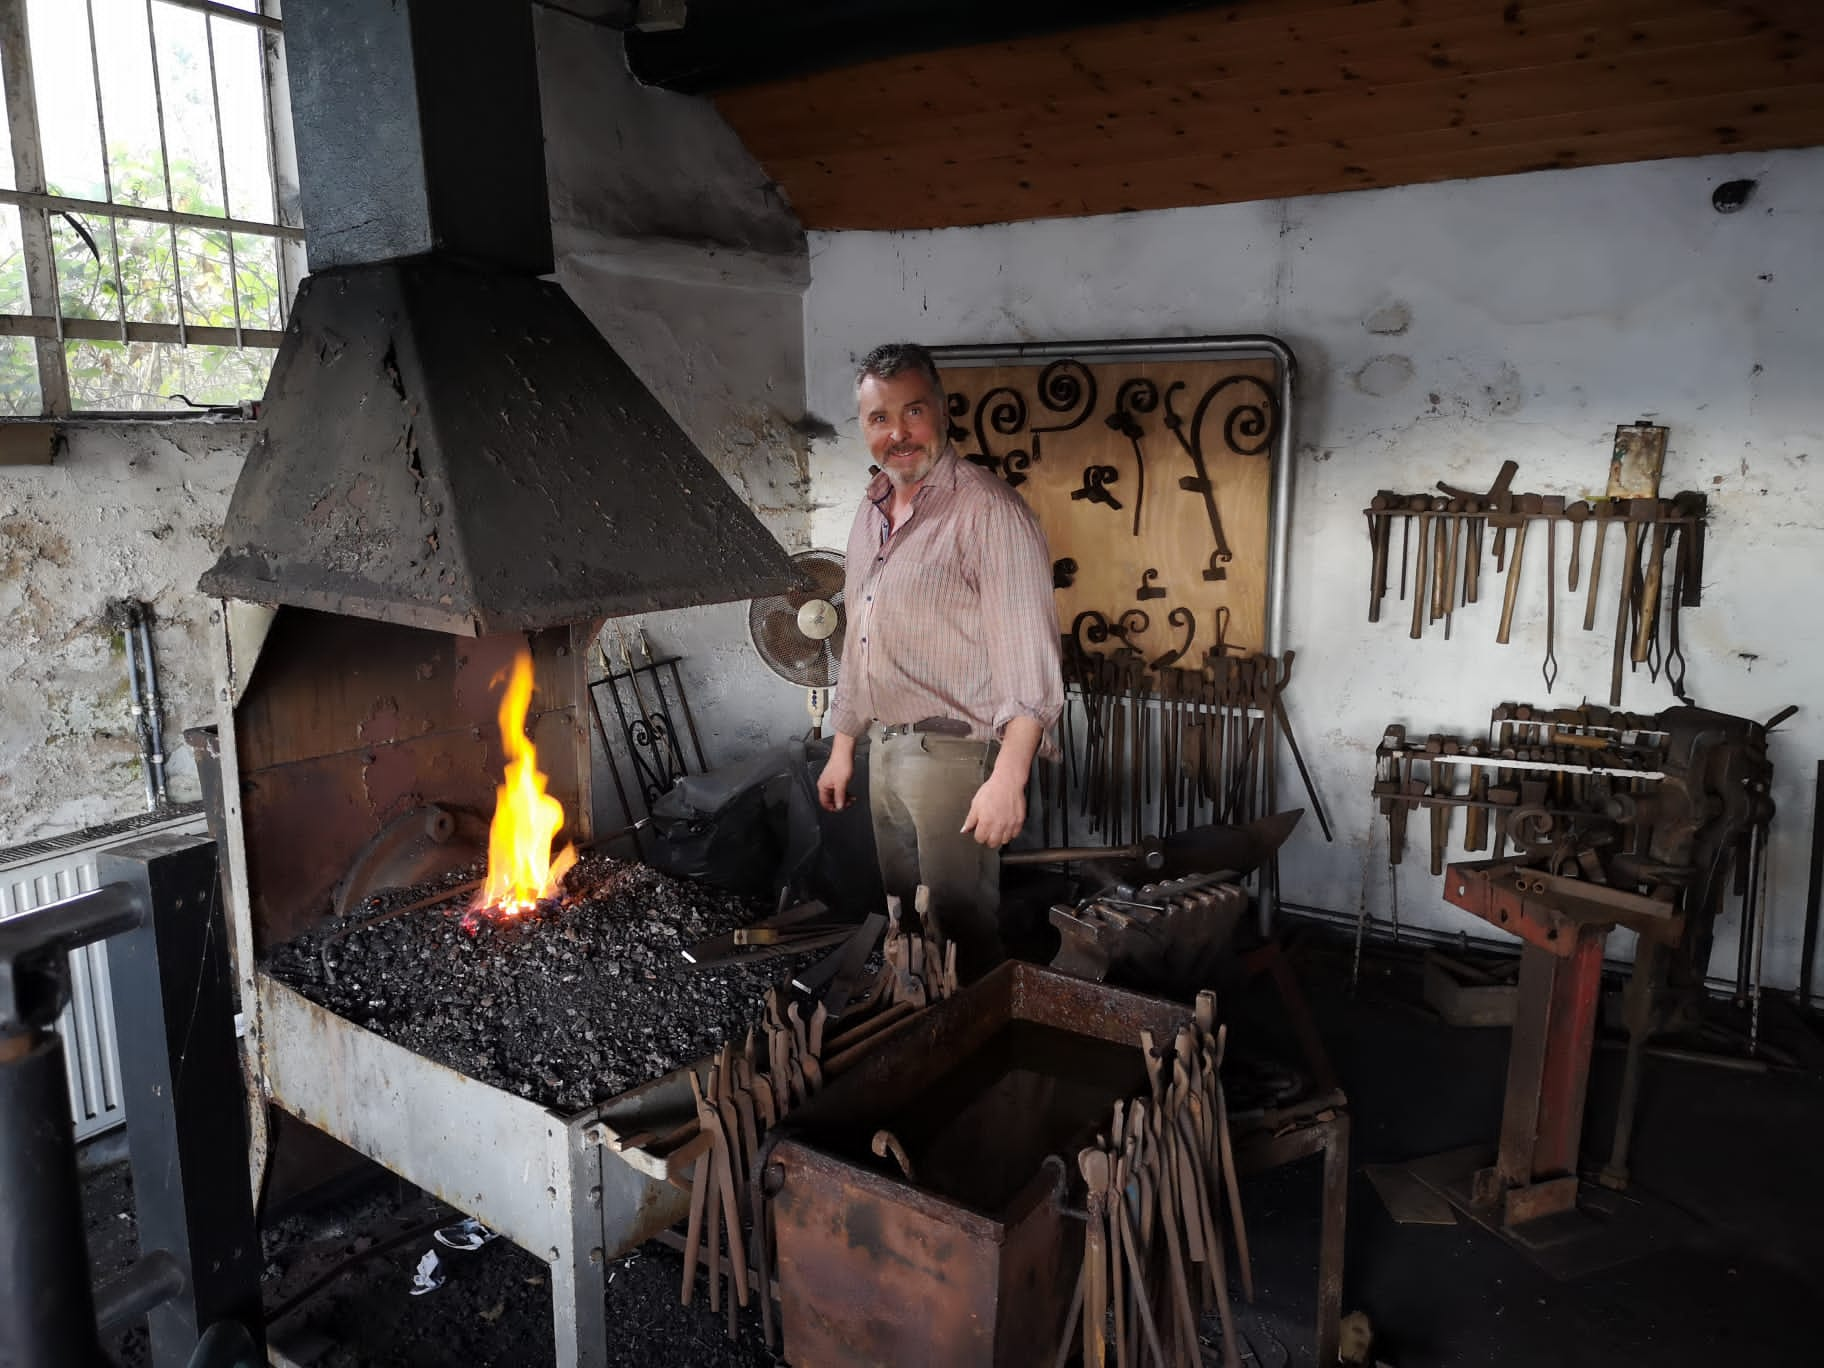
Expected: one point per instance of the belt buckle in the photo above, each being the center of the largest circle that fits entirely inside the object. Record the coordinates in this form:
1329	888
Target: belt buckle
890	730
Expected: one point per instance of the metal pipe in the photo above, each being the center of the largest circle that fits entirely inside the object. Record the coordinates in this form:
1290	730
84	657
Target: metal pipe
154	714
137	709
1808	944
75	922
45	1301
153	1280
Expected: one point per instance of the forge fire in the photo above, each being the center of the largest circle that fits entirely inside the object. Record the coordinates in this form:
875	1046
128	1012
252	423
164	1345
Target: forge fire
527	819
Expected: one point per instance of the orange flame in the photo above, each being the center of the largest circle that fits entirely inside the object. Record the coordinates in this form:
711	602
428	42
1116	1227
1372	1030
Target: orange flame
521	869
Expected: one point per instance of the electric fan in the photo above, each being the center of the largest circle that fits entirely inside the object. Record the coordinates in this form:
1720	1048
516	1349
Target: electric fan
799	633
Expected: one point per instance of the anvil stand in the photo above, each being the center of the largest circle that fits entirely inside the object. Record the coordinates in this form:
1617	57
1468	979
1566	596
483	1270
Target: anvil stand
1530	1193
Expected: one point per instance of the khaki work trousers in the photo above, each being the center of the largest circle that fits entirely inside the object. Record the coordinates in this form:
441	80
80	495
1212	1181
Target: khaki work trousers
920	785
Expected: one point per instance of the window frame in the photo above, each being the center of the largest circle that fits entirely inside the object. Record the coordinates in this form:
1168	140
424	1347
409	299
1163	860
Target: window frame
46	323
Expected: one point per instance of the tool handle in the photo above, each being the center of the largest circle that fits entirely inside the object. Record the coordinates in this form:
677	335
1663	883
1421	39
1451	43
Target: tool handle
1648	626
1418	583
1513	584
1377	588
1589	607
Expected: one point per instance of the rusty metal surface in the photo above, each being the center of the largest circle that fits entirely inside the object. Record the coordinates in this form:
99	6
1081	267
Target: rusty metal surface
460	451
350	724
1549	911
874	1268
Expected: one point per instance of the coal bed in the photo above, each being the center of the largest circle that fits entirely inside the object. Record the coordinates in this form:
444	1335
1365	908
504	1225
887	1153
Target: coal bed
569	1006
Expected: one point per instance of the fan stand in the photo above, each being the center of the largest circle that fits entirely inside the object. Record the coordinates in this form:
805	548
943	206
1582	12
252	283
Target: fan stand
817	702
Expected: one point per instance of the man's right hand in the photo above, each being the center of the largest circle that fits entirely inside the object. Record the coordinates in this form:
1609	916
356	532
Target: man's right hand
833	783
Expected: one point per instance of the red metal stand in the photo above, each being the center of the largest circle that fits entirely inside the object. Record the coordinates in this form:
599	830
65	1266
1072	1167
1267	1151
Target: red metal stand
1565	923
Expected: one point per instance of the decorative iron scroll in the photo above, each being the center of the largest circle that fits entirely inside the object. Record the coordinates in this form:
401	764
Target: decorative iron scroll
1073	433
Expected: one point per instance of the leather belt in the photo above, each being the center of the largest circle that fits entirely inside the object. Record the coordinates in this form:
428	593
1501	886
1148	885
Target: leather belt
941	726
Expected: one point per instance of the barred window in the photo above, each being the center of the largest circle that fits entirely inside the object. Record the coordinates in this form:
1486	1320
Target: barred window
149	246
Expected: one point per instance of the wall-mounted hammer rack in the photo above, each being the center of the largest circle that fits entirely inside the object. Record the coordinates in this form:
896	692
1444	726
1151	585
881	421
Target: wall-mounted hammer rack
1528	781
1452	528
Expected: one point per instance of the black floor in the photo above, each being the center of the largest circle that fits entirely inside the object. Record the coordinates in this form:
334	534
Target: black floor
1730	1157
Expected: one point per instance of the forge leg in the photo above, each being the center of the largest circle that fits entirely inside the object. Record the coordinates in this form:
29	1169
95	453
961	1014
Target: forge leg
579	1313
1548	1072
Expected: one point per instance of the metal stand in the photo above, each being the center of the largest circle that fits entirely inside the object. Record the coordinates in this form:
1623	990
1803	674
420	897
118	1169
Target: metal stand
186	1115
1564	924
199	1276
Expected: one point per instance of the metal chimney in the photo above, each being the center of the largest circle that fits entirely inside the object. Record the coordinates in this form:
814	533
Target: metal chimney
446	441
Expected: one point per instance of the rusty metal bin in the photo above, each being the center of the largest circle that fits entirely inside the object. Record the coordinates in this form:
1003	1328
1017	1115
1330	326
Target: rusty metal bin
971	1261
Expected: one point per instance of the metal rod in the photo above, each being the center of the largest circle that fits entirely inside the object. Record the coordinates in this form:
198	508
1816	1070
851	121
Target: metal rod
147	213
614	770
154	714
696	741
107	170
152	1280
220	11
658	688
137	711
78	921
104	330
221	158
164	159
1505	762
1808	944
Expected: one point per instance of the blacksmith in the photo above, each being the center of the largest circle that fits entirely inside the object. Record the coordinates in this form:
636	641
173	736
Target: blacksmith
950	661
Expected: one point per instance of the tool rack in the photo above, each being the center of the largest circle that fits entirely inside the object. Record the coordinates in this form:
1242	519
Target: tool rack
1528	781
1447	569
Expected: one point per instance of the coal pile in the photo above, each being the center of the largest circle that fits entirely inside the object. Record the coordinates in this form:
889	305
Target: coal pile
576	1004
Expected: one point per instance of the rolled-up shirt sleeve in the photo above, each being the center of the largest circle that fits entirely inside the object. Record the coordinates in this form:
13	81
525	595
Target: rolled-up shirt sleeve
1019	618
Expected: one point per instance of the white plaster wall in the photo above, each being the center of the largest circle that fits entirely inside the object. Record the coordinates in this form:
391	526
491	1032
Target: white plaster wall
129	510
1441	329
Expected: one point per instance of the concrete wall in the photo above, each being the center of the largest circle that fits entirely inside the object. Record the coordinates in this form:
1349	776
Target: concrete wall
129	510
1439	330
678	248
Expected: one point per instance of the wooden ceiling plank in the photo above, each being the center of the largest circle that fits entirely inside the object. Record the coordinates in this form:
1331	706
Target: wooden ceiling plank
1102	64
1572	100
1570	88
1520	145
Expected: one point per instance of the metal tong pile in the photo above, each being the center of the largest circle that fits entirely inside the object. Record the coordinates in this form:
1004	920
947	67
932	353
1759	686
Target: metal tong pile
748	1091
1156	1184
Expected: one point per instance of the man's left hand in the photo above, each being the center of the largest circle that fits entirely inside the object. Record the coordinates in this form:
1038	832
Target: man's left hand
998	811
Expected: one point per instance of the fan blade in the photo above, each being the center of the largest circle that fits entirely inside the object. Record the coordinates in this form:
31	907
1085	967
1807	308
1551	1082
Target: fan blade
823	573
787	649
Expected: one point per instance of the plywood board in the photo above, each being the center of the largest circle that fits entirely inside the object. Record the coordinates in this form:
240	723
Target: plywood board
1107	455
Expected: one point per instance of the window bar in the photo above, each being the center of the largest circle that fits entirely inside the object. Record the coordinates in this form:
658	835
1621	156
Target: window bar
107	174
220	11
164	157
282	255
221	158
34	225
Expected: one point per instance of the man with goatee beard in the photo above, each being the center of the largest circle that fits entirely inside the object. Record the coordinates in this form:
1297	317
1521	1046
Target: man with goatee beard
950	659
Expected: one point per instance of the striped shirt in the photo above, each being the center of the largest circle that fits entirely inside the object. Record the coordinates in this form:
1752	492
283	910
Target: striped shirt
950	616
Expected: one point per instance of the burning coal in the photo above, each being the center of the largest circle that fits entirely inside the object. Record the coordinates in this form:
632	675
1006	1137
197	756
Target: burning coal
521	868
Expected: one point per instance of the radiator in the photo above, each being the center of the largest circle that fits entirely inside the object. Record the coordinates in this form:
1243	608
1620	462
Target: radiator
49	871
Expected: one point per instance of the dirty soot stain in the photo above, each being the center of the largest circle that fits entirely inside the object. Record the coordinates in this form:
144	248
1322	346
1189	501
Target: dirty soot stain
1384	375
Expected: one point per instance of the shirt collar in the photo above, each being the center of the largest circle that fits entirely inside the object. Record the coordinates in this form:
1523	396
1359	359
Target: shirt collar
944	475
